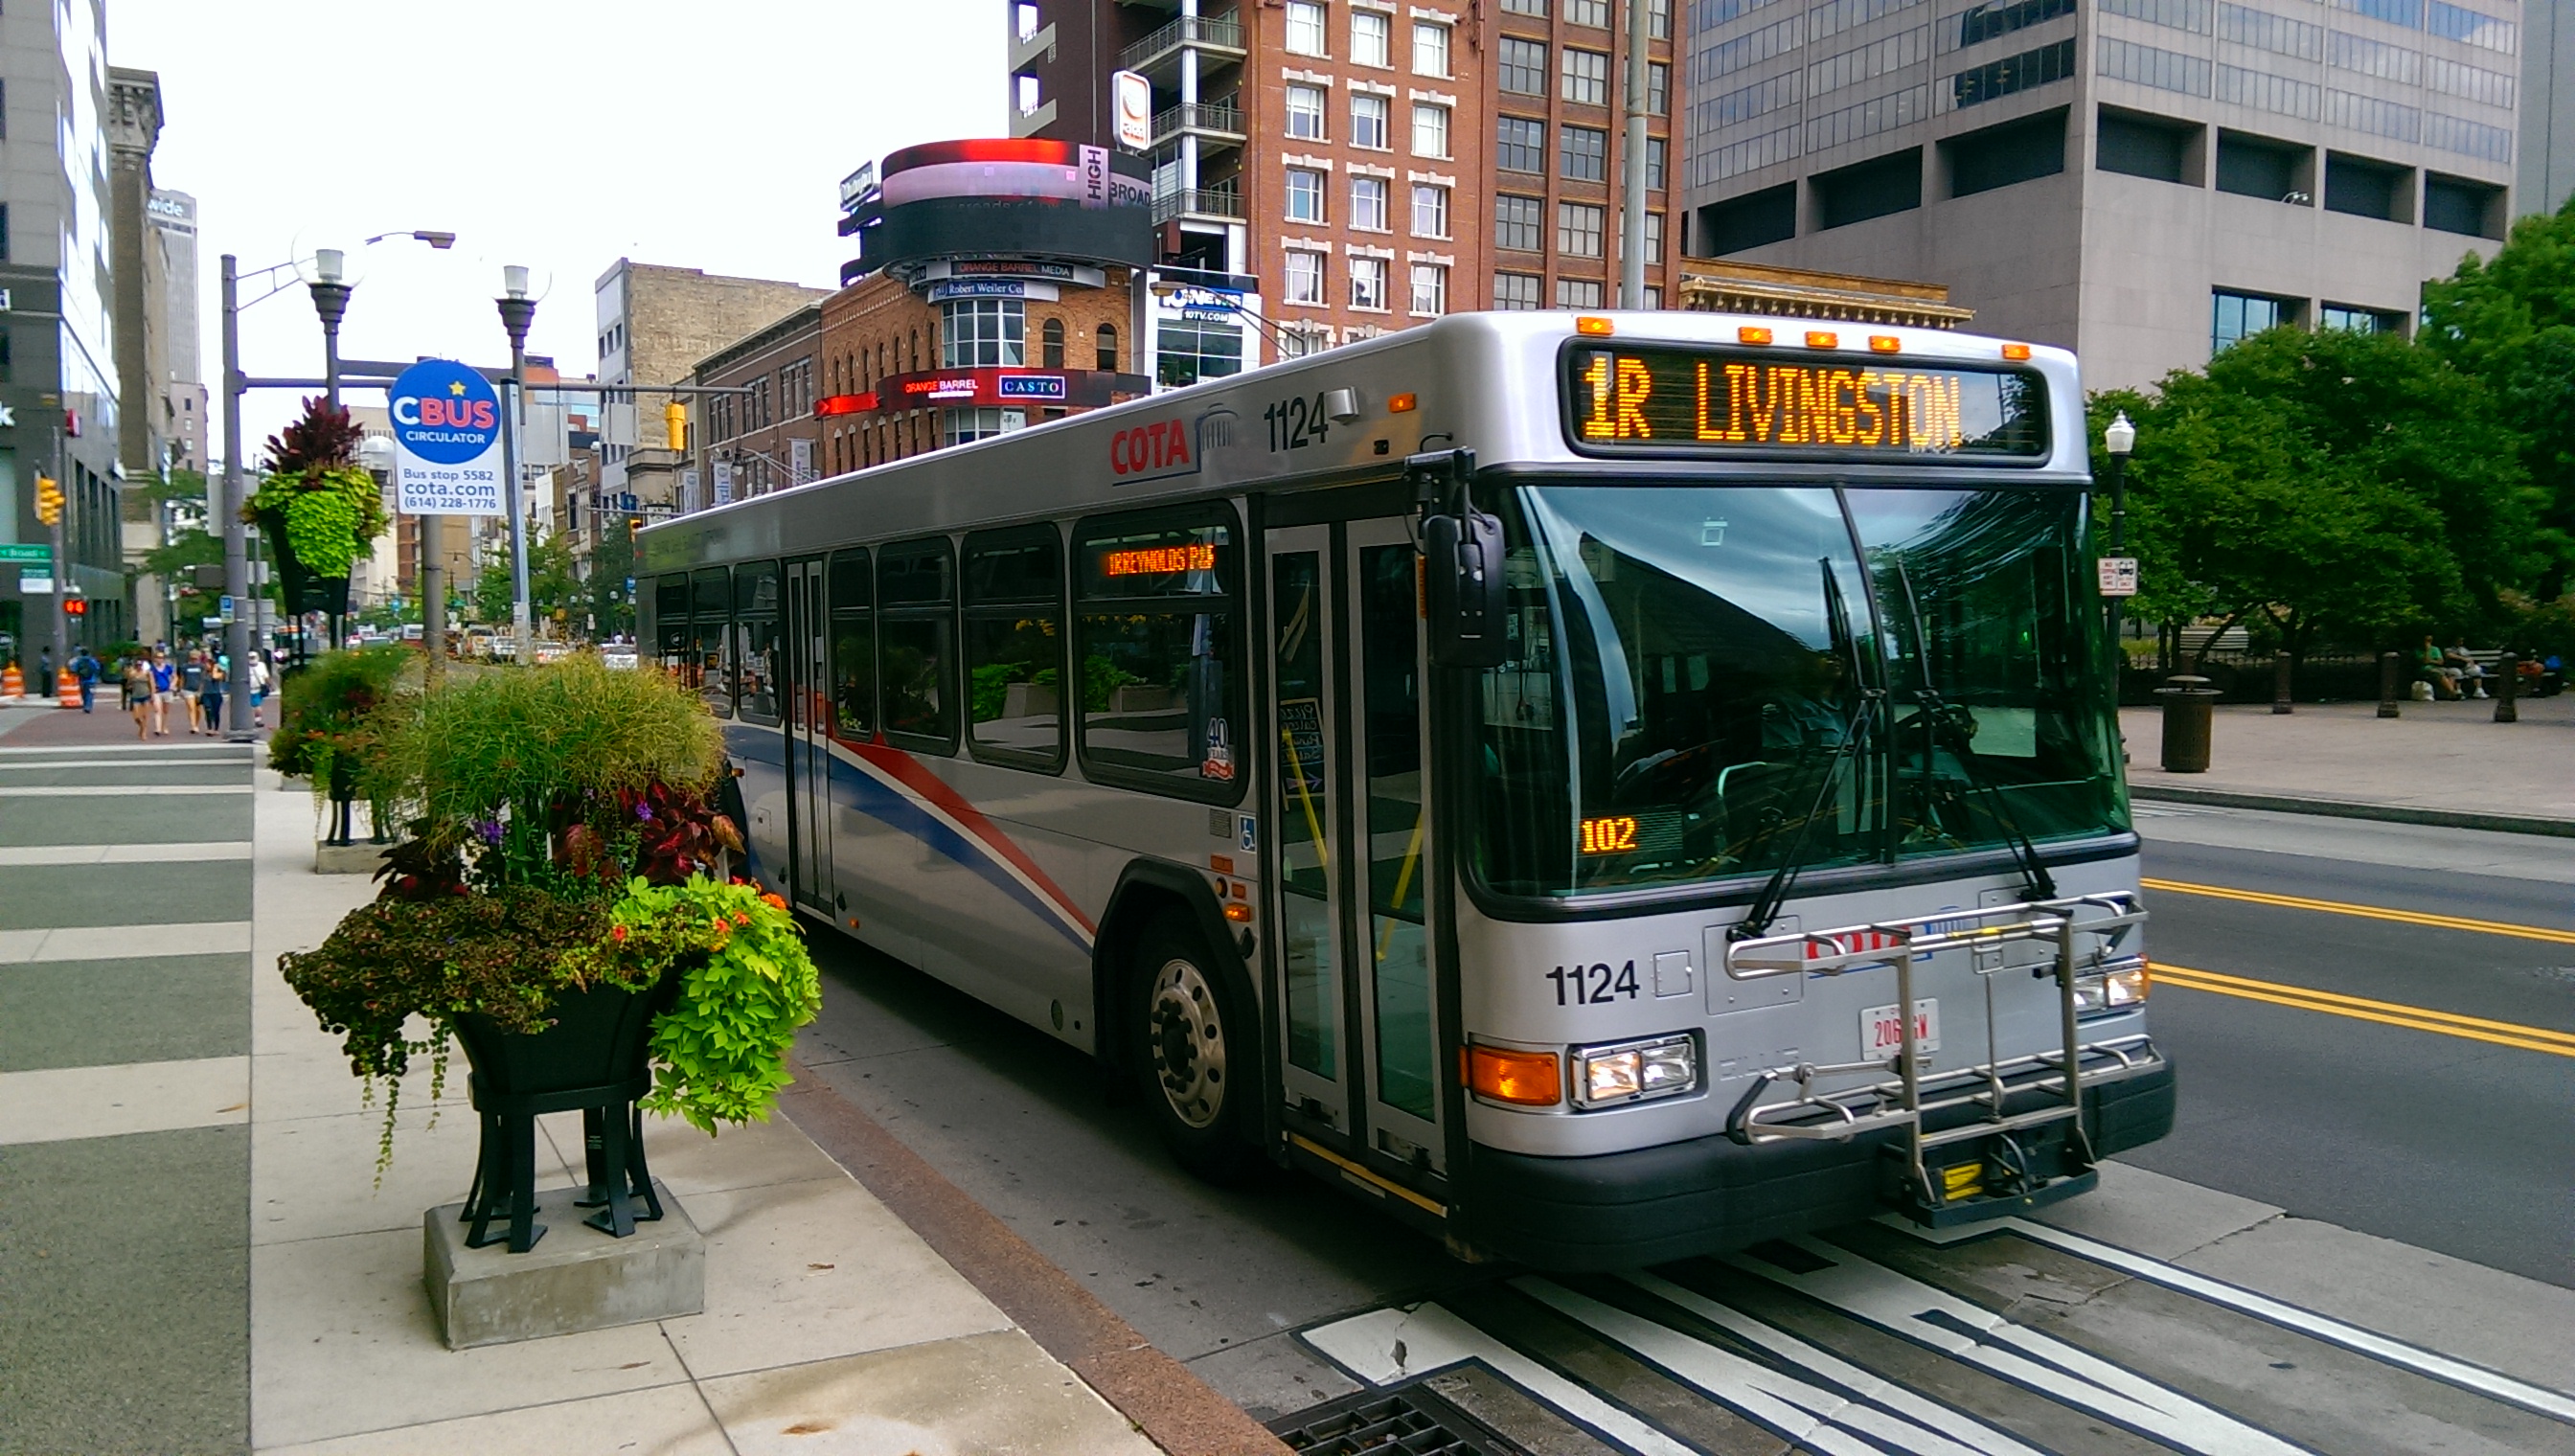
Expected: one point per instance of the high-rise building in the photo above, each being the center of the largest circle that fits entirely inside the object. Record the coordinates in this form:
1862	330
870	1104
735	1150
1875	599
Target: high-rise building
655	324
1363	164
182	398
2144	181
2547	176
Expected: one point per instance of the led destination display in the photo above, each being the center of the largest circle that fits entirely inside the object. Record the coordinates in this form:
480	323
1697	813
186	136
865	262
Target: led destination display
1663	400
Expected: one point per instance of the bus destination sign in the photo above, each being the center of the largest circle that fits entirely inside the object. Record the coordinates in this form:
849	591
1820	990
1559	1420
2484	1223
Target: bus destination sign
1693	400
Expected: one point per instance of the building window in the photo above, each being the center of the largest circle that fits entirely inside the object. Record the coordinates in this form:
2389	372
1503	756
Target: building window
1515	292
1654	296
1304	277
1525	7
1304	27
1522	66
1368	204
1430	130
1109	348
1656	150
1305	195
1430	48
1368	283
1658	20
1429	290
964	426
975	333
1659	88
1195	348
1369	122
1520	145
2240	315
1585	152
1654	237
1517	224
1051	344
1578	229
1306	113
1588	12
1298	343
1429	210
2358	320
1577	293
1371	43
1586	77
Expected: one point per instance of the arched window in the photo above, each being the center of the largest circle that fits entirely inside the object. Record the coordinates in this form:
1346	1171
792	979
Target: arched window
1051	344
1109	347
915	350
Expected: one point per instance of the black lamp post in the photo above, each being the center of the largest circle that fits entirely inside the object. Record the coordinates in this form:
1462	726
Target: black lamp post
2118	438
518	312
330	287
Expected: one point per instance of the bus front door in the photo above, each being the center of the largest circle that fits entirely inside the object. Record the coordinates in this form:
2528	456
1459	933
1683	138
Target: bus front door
806	655
1359	1040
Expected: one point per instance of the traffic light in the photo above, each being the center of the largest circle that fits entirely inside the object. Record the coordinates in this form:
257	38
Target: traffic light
49	500
76	606
674	417
633	523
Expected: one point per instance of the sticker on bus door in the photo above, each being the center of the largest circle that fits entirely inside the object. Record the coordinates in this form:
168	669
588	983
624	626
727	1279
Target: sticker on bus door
1881	1035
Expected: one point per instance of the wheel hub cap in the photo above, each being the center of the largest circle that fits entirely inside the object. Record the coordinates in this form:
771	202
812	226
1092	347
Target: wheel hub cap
1187	1043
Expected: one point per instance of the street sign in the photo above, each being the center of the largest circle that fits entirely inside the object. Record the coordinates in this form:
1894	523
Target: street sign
35	584
2118	576
224	610
446	441
27	550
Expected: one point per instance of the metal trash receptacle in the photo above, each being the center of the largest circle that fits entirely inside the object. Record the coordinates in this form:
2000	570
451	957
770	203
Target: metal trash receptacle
2187	719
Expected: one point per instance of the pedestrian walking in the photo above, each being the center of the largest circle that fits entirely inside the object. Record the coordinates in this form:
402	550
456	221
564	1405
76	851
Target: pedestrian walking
259	678
138	694
192	690
85	668
213	701
165	681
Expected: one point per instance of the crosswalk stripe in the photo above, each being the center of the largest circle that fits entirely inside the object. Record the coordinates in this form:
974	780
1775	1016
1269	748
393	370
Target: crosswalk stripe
115	790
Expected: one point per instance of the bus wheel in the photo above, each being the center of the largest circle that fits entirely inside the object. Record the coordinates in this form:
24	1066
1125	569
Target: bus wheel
1192	1050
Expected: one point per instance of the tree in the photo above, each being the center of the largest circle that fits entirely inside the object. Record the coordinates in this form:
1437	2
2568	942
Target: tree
2334	484
2510	321
552	587
612	564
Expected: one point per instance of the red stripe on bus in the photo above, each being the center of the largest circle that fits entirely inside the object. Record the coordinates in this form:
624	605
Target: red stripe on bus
910	772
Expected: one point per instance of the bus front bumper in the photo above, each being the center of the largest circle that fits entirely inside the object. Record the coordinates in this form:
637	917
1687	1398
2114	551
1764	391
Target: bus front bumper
1712	1194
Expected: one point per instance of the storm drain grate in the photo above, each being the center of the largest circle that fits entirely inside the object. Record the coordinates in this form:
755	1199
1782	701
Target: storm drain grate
1404	1420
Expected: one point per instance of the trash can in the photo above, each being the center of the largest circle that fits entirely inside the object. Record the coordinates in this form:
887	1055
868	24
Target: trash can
2186	724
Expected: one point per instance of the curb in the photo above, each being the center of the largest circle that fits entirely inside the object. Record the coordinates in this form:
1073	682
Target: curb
2350	809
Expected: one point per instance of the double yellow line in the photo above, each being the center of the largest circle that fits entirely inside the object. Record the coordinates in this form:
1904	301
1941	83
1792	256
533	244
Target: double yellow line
2361	1009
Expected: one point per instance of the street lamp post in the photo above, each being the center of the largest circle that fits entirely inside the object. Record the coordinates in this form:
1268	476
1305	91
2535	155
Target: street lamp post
331	288
518	312
2118	438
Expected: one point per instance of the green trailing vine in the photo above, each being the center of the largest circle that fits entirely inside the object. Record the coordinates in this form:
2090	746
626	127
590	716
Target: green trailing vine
315	501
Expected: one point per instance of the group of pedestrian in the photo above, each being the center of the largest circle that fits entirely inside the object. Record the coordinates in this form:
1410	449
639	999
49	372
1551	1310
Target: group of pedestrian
152	680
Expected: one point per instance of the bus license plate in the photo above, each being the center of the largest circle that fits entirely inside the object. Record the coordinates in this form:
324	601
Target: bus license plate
1881	1035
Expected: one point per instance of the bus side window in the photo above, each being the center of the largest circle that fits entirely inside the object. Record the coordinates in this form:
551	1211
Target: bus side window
1015	645
854	646
710	626
1157	644
755	616
916	643
671	625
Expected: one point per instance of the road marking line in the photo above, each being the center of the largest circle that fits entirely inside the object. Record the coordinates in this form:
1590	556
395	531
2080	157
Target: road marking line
2537	1399
60	1105
114	790
134	853
1972	1335
2385	1014
1866	1404
2367	913
1383	1346
224	753
120	942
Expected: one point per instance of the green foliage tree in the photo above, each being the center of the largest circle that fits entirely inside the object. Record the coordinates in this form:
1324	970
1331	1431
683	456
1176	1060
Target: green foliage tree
553	585
2333	486
612	562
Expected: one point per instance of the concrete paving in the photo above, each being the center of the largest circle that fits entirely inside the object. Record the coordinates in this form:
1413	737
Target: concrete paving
2437	756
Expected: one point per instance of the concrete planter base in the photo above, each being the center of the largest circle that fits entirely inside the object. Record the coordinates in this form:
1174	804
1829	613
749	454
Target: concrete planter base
576	1278
359	858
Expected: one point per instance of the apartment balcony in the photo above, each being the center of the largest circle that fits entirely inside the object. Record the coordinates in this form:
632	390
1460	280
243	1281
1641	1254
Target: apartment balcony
1220	124
1217	39
1199	201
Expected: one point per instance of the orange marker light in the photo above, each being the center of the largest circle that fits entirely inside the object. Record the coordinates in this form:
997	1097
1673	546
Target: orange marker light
1821	340
1751	335
1523	1078
1220	863
1884	344
1237	912
1593	324
1402	405
2015	351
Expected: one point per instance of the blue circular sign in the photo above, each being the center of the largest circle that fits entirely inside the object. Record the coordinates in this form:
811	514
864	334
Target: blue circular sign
445	413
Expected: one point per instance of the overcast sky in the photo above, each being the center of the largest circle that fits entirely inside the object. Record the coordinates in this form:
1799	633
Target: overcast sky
562	134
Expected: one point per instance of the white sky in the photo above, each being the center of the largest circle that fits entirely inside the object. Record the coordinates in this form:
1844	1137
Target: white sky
562	134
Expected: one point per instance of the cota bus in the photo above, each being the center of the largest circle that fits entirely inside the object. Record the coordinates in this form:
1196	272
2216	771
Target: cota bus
1603	787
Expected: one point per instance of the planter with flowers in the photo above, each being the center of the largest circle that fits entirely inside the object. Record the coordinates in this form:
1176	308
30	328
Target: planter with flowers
327	735
565	909
317	509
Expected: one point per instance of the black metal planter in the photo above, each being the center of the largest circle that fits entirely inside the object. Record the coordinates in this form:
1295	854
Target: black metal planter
594	1059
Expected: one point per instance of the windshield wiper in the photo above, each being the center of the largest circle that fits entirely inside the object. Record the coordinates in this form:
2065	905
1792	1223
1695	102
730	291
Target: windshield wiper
1938	716
1855	732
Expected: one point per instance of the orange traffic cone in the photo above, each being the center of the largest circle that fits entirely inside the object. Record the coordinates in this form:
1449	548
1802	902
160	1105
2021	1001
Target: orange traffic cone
13	684
66	689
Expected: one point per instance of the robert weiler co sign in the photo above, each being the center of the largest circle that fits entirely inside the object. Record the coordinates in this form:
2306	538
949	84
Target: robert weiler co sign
447	441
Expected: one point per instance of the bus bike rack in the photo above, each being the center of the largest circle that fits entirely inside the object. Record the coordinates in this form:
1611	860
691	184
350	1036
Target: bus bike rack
2081	947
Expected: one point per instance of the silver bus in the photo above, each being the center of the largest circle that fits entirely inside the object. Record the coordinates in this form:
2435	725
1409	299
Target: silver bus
1601	788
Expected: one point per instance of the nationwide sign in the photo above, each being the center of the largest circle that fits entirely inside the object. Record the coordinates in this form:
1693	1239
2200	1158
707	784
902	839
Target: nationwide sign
446	441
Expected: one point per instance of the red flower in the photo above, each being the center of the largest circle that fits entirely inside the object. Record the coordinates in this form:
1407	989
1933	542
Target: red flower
616	933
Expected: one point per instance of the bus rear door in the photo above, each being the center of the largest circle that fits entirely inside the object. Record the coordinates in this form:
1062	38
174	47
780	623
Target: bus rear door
806	658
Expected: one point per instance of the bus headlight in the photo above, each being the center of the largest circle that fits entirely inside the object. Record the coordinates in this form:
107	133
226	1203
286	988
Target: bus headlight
2117	986
1634	1071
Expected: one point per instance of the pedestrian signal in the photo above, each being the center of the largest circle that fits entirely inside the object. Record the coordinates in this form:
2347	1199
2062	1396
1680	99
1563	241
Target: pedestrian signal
76	606
49	500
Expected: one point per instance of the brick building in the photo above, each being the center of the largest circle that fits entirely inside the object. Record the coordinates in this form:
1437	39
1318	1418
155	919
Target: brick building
766	438
655	324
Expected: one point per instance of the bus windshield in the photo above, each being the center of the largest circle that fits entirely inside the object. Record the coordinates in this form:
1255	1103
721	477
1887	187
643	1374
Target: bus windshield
1706	681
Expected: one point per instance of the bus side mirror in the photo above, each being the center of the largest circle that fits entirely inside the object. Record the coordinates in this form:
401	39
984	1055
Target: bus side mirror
1463	557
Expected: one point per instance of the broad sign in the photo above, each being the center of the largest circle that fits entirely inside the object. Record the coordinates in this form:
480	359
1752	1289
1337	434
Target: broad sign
447	441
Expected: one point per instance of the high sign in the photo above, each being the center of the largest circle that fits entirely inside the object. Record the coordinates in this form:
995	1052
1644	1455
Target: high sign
446	441
1134	109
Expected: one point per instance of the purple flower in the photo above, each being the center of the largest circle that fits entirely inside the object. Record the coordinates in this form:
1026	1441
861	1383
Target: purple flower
489	831
644	811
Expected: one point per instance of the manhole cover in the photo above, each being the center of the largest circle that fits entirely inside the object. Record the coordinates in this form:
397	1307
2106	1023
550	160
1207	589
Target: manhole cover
1398	1420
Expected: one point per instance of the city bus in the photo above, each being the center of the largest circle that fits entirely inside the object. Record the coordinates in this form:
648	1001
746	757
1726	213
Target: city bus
1601	788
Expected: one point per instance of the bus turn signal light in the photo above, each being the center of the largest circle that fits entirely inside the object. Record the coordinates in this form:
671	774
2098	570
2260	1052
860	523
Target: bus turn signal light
1522	1078
1884	344
2015	351
1403	404
1595	323
1818	338
1751	335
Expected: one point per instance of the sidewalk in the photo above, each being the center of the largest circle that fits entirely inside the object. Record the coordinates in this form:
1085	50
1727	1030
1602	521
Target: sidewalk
192	1257
2441	763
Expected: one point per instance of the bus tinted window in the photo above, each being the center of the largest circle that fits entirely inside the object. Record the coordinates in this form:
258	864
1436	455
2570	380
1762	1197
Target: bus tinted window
671	623
710	630
915	635
1161	692
1015	645
755	608
853	645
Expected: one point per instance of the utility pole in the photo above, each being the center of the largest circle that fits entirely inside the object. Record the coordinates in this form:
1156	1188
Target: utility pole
1631	219
518	311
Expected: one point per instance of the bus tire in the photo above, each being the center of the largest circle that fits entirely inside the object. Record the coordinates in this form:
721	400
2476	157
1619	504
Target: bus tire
1195	1051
